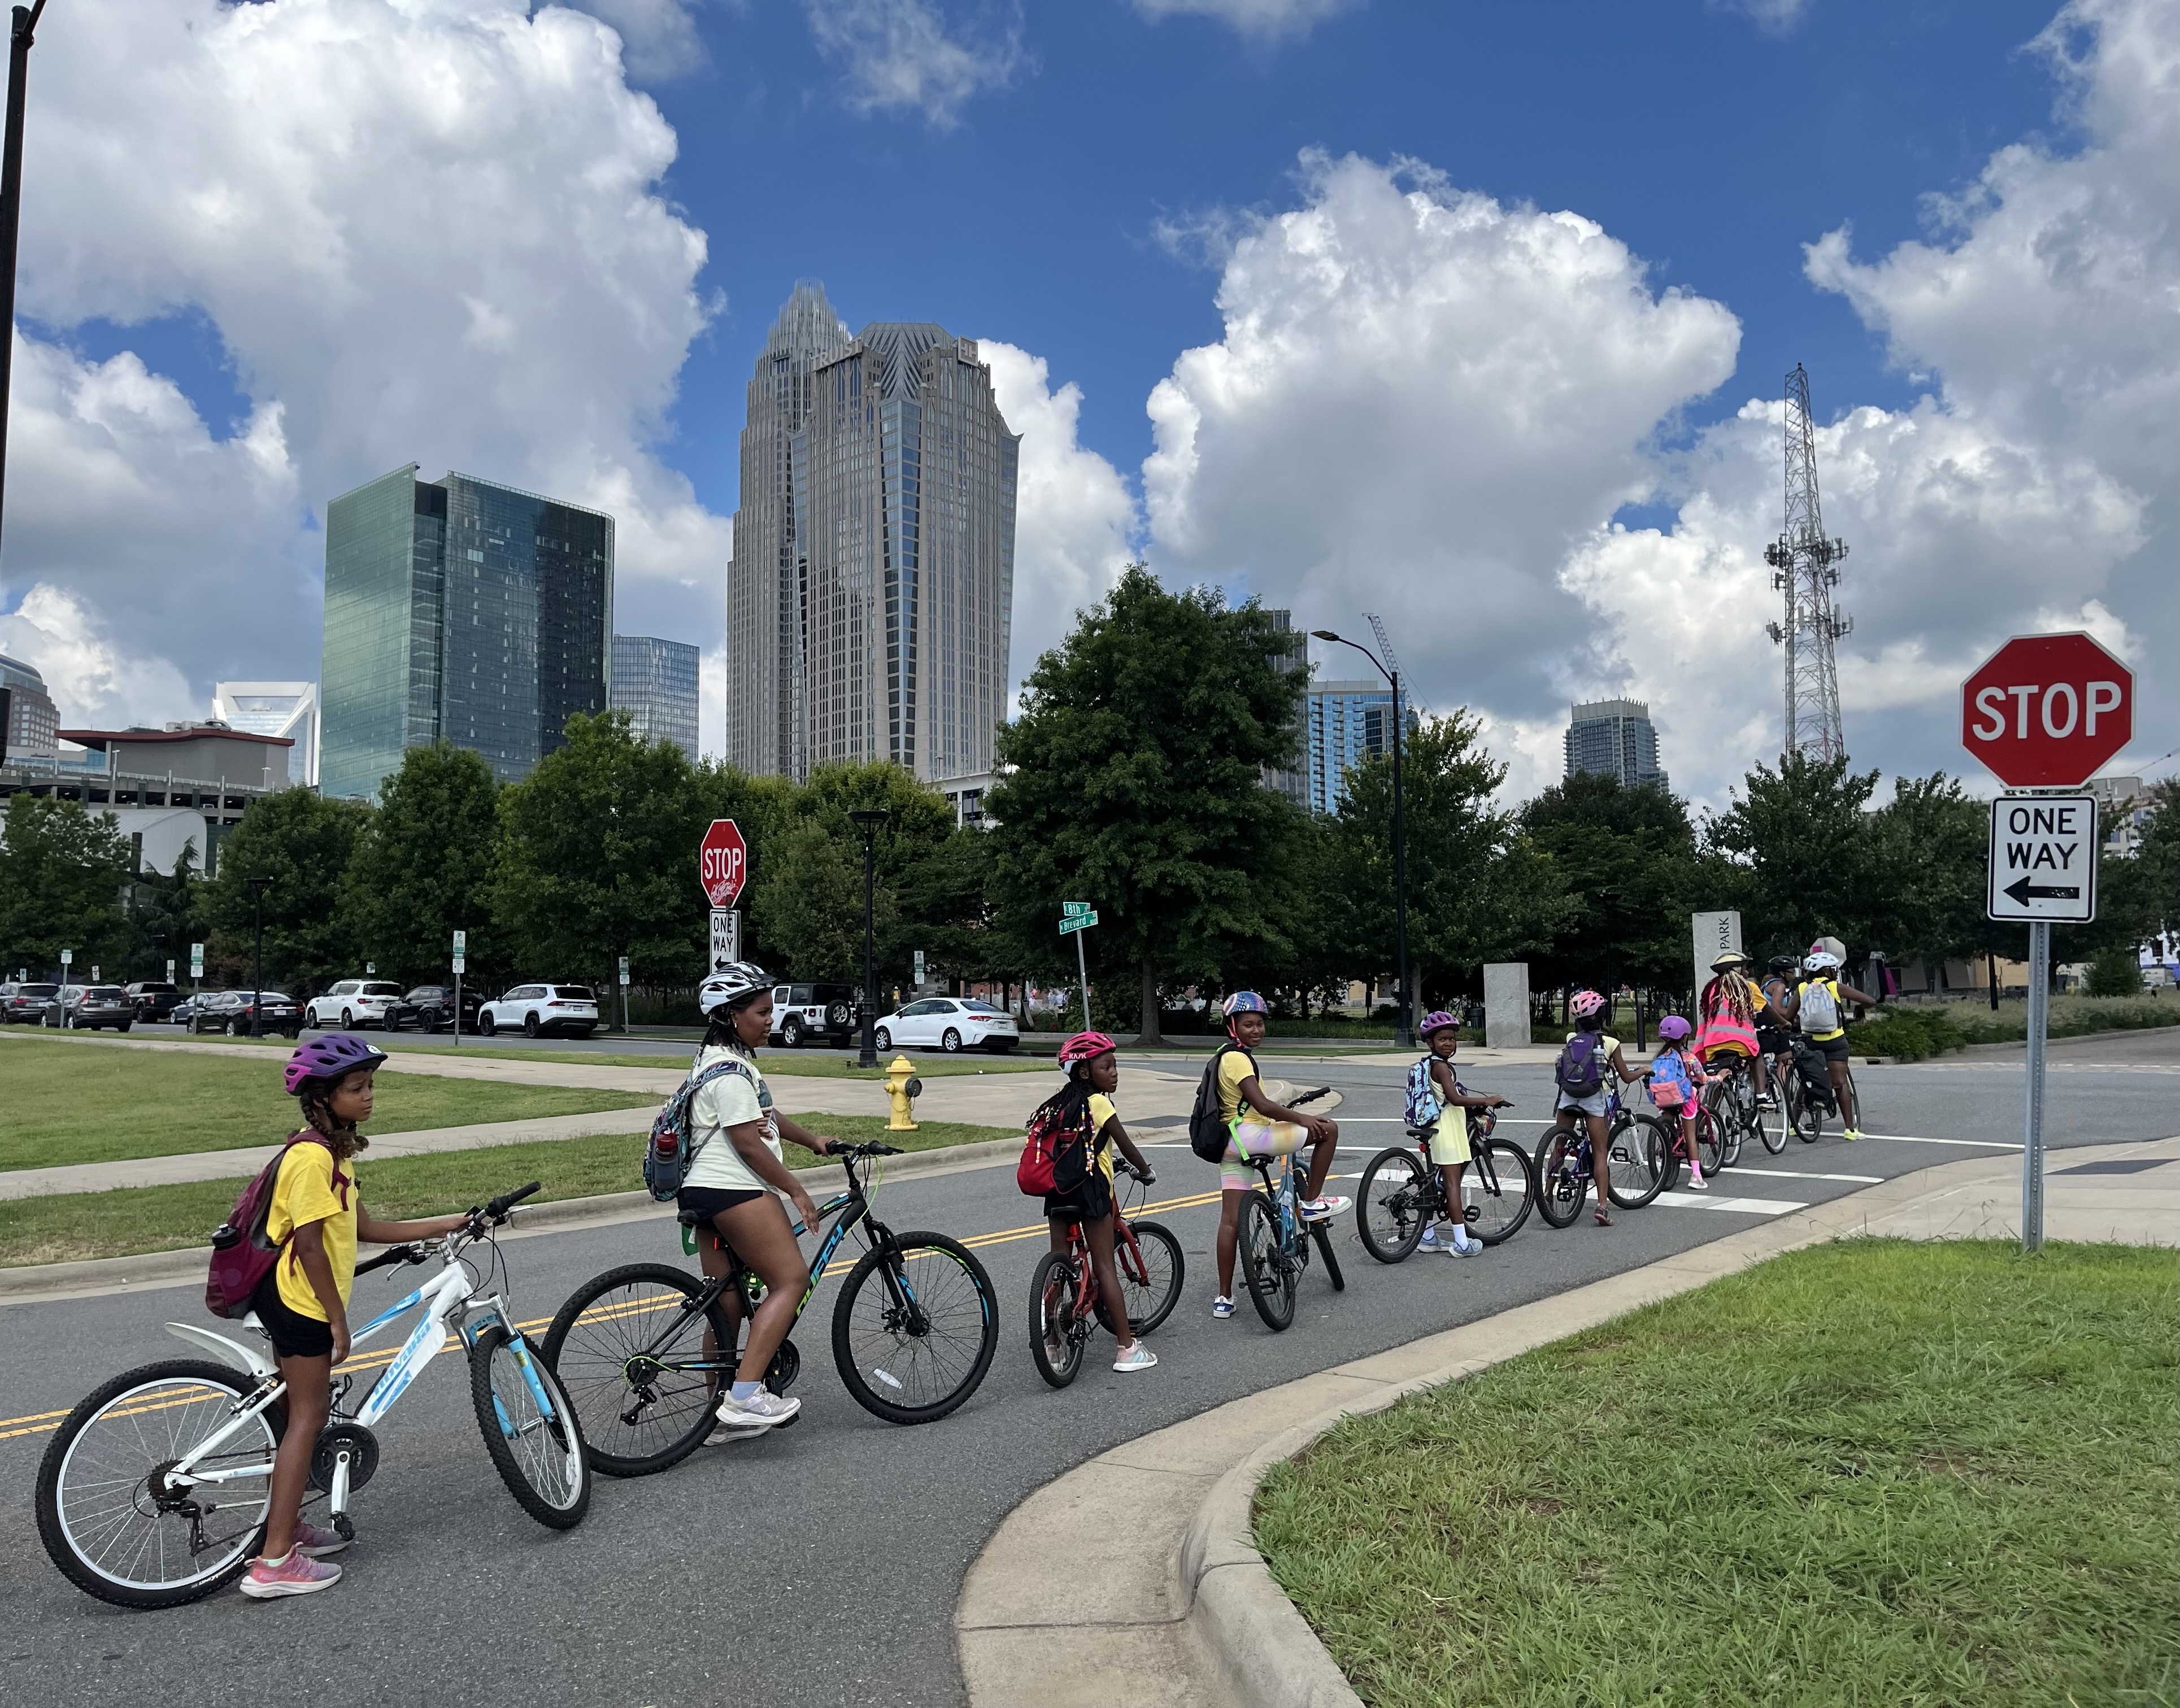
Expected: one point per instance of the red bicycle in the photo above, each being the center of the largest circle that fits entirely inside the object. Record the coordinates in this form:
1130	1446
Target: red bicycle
1064	1299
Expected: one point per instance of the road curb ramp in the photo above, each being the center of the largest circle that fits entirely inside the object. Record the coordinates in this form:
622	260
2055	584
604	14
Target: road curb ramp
1209	1626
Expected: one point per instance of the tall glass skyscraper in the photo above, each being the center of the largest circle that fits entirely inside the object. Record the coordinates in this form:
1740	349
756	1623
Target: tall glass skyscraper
1348	723
870	599
1614	737
655	683
461	609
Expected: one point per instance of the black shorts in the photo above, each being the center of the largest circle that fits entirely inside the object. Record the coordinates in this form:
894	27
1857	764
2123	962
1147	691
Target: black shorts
1090	1201
696	1205
1774	1041
294	1334
1832	1049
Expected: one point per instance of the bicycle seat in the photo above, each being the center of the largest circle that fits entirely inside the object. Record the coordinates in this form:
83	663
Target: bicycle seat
1074	1210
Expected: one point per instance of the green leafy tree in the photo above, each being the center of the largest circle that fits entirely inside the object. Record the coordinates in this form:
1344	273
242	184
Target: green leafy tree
165	917
1626	861
1799	855
1137	786
1480	889
426	867
1929	849
303	842
62	872
599	858
2139	894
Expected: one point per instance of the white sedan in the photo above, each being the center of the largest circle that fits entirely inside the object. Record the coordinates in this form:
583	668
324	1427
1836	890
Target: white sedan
951	1023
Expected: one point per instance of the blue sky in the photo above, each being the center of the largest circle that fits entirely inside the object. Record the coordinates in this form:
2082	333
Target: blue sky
1475	317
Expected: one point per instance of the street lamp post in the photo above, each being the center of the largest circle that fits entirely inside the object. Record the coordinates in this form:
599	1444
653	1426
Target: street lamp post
257	888
1403	1032
867	821
20	36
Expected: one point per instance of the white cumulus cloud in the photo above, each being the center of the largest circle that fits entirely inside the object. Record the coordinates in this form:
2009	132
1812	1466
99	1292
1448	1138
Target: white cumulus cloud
910	56
1262	20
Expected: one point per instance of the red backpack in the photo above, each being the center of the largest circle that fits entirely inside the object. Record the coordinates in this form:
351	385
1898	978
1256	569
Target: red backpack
242	1255
1056	1154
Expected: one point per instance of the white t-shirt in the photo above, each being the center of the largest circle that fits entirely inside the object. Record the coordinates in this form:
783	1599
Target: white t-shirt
729	1101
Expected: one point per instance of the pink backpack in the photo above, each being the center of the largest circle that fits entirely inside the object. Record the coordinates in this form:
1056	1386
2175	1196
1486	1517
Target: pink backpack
242	1255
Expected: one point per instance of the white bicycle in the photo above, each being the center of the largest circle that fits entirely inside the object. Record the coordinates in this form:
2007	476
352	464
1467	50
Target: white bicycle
154	1492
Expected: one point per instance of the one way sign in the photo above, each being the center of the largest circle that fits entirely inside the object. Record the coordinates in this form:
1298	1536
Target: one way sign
2044	857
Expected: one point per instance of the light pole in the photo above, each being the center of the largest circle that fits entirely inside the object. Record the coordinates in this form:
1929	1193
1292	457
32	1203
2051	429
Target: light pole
867	820
19	38
257	888
1403	1034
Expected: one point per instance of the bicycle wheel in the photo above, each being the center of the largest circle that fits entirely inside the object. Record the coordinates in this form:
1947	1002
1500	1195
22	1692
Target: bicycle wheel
1710	1141
1272	1274
1775	1133
1394	1207
107	1516
1807	1114
1562	1183
1496	1190
643	1360
1854	1097
1150	1277
530	1429
1056	1333
1640	1155
918	1317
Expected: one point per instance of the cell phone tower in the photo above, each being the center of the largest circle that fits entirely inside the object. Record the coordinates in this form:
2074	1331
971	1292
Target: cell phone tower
1805	567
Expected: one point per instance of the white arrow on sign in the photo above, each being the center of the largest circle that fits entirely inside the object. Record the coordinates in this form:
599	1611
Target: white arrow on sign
2044	858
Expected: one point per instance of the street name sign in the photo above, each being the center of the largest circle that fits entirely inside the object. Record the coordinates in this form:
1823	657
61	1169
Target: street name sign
2044	858
726	937
722	862
1077	922
1073	911
2047	710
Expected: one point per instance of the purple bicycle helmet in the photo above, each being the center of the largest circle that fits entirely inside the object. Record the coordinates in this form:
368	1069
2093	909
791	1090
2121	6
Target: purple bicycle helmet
328	1059
1673	1029
1438	1020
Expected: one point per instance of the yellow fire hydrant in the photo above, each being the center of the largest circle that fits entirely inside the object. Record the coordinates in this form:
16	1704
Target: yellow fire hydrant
902	1085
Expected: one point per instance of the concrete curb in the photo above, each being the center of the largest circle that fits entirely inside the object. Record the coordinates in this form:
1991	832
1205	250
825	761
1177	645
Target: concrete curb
35	1282
1219	1629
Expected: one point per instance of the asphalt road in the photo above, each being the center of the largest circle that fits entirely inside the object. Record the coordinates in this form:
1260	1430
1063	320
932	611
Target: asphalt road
820	1565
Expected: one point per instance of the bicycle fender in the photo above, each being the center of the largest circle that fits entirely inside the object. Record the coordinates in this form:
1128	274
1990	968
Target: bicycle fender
244	1359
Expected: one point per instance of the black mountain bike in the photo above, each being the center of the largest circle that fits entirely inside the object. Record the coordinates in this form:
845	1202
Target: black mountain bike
645	1350
1639	1148
1403	1192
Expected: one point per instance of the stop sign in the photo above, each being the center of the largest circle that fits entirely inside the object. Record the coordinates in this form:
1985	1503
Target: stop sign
722	862
2046	710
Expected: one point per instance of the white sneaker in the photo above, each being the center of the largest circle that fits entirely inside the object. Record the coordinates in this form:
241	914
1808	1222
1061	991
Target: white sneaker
1137	1357
1222	1307
1463	1245
1321	1209
763	1410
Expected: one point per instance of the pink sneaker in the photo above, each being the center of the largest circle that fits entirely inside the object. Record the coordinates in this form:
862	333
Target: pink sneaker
296	1575
317	1543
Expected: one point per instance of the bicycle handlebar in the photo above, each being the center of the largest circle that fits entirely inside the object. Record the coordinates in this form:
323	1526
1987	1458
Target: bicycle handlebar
393	1254
855	1153
498	1209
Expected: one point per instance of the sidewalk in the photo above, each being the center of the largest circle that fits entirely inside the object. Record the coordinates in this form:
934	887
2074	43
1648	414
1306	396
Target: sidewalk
1178	1594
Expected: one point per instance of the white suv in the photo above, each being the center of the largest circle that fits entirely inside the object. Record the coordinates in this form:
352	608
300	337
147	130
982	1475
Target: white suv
354	1002
541	1008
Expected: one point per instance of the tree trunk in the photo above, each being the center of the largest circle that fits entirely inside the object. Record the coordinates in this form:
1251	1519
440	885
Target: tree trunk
1150	1020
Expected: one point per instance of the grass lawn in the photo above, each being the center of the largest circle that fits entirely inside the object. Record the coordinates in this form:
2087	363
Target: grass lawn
159	1218
1873	1472
63	1103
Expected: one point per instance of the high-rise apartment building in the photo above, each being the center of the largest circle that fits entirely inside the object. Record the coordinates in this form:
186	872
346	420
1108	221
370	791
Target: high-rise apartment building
33	724
1347	722
462	610
275	708
655	683
870	599
1614	737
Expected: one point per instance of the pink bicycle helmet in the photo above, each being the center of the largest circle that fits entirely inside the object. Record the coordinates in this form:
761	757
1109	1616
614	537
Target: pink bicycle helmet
1673	1029
1086	1046
1585	1003
328	1059
1438	1020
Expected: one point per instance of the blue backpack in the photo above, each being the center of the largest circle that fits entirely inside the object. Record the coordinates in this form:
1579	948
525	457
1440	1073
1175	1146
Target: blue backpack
1423	1105
1580	1070
668	1152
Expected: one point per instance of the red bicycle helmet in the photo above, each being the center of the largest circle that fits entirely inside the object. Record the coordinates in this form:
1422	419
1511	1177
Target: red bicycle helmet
329	1057
1086	1046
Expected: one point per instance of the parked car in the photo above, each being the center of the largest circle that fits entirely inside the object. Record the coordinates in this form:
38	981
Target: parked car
89	1008
539	1009
431	1007
952	1023
184	1013
802	1012
155	999
354	1003
229	1012
25	1004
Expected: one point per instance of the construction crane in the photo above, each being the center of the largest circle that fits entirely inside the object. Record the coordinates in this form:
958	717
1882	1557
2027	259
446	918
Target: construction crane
1805	567
1385	653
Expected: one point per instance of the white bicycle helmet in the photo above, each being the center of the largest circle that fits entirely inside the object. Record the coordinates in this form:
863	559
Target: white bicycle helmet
1821	961
730	985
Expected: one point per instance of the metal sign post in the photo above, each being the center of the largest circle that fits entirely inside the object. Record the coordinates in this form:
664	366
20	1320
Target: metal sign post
197	971
2043	869
1079	918
462	961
